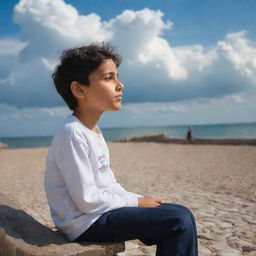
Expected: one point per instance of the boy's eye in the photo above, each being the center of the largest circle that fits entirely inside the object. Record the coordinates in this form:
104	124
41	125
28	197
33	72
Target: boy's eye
108	78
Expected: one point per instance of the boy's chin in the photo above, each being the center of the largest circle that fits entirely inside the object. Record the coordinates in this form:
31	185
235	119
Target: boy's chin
116	107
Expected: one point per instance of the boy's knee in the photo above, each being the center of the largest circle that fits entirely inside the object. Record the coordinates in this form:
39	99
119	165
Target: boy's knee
182	216
186	210
177	206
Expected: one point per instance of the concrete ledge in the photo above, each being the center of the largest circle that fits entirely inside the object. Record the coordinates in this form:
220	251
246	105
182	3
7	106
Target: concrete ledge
3	145
164	138
21	235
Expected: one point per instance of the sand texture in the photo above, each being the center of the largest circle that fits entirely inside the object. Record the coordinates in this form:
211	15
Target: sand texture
218	183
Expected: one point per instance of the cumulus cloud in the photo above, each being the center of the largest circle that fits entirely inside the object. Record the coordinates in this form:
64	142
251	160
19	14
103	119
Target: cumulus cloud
58	24
153	70
239	51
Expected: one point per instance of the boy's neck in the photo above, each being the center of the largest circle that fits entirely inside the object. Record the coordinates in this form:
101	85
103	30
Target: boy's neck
88	119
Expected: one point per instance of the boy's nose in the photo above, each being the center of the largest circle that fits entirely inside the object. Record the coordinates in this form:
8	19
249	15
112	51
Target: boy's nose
120	85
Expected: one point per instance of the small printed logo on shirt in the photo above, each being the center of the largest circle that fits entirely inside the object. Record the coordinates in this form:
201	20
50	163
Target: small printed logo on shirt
102	162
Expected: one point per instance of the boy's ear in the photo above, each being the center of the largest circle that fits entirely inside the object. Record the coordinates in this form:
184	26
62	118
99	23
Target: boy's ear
77	89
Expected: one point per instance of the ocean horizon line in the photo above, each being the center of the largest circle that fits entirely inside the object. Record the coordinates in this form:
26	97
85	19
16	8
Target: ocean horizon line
139	127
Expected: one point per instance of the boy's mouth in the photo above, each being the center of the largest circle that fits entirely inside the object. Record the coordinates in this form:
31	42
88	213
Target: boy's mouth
120	96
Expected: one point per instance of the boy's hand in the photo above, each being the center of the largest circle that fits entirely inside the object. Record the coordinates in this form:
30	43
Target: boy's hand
149	202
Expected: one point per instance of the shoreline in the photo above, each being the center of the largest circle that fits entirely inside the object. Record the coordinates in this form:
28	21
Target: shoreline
158	138
164	138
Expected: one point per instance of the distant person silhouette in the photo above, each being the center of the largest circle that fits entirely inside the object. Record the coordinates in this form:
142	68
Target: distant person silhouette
189	133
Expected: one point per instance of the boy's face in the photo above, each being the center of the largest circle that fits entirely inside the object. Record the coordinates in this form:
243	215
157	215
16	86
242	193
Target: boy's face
105	90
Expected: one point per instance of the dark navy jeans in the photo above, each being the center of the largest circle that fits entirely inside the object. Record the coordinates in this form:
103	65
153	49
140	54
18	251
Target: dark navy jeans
169	226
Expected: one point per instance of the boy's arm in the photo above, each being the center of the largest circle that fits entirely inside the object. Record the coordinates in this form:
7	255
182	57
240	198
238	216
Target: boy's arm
75	167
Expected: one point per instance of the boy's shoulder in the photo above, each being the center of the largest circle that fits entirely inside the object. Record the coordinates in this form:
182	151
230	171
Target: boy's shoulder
71	129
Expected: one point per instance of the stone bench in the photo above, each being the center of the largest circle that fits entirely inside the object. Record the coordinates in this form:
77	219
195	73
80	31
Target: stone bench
22	235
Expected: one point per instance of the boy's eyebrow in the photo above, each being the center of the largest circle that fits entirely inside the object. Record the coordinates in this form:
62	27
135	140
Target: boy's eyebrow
109	73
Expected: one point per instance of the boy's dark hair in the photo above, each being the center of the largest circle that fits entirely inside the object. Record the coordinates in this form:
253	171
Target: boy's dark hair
77	64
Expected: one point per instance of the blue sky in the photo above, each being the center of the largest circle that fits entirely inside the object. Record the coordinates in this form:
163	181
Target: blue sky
185	62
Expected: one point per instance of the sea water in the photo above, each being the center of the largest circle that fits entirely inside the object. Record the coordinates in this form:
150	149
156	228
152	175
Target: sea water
245	130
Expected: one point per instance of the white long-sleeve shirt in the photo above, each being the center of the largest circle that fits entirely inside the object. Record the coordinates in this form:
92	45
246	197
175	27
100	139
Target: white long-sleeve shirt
79	183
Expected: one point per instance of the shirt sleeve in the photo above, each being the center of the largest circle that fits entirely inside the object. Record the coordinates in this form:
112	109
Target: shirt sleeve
72	158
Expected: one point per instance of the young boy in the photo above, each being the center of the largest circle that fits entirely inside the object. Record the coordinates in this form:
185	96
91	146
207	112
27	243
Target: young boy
85	200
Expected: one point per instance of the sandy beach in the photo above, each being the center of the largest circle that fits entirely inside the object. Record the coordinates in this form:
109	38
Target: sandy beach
217	182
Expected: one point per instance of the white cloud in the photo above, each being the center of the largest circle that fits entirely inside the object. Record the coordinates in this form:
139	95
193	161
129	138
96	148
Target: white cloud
52	25
241	53
49	64
133	31
11	46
